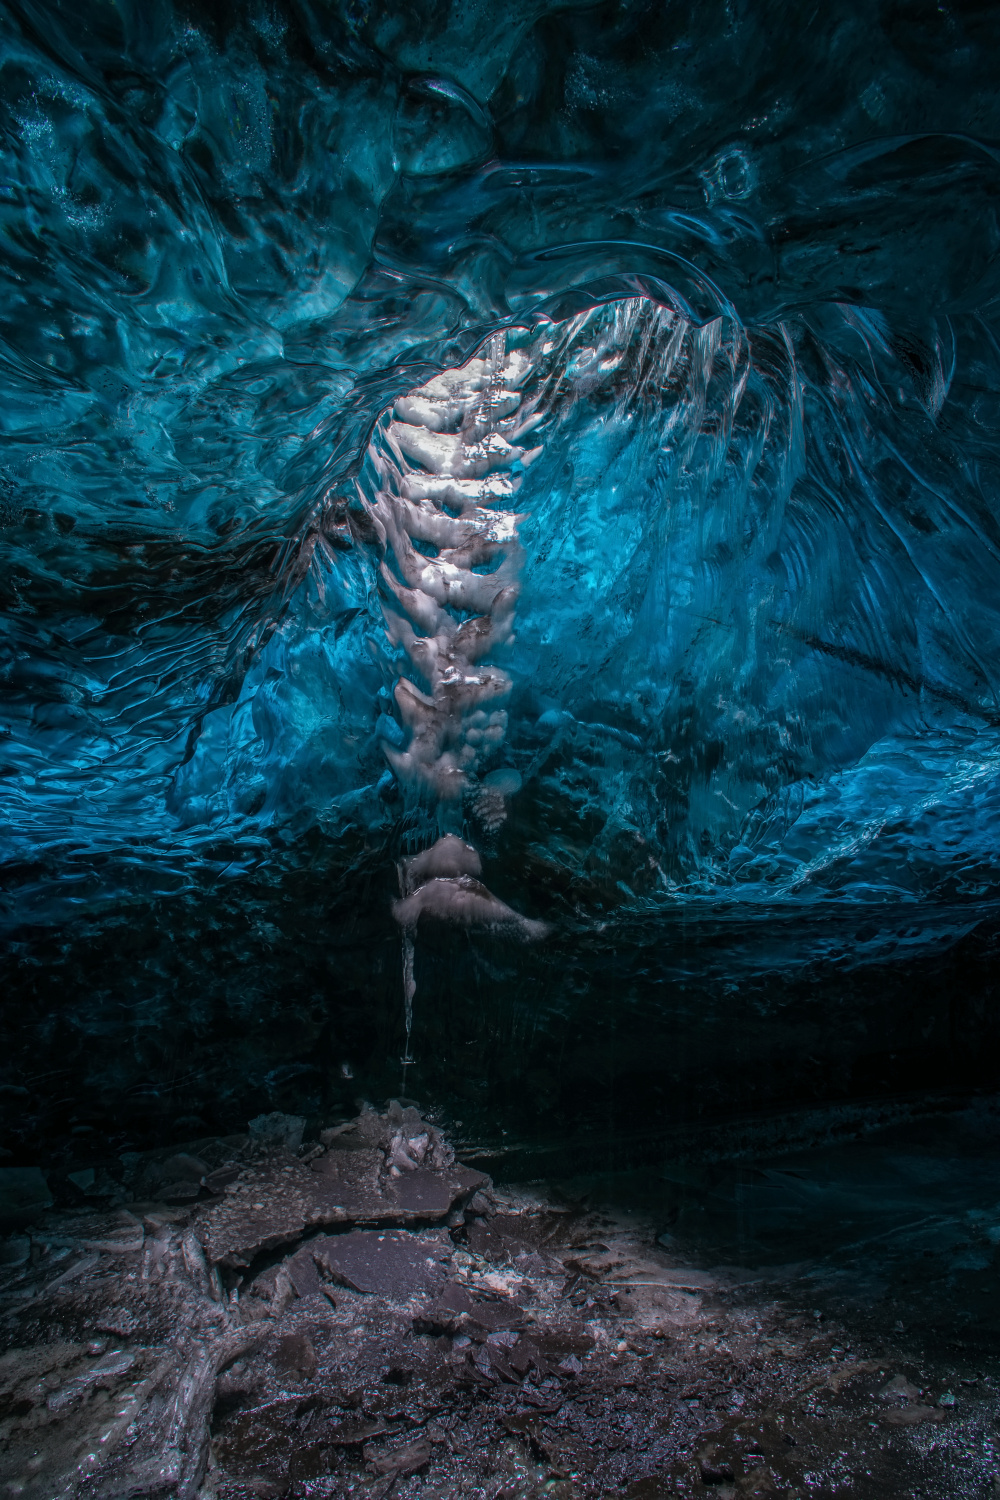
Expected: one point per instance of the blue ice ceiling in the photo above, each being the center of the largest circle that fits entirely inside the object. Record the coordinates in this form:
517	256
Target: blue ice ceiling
750	255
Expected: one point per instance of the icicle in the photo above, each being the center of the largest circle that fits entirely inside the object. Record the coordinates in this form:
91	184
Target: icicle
450	446
409	990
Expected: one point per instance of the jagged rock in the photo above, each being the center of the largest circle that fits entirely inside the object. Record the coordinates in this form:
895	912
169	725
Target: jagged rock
268	1205
355	1180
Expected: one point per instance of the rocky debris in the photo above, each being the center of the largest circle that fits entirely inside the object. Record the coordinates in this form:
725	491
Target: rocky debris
513	1350
270	1203
162	1179
378	1169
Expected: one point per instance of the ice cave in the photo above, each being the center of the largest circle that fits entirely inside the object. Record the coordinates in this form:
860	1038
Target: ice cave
499	750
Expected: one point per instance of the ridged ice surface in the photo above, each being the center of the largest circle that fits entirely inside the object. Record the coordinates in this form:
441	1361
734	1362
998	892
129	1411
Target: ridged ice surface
726	625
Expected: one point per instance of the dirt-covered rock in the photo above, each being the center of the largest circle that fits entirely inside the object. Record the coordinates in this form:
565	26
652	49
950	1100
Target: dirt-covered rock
233	1346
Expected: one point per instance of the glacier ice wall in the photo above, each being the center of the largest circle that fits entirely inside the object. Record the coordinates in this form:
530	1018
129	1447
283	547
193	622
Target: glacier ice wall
751	261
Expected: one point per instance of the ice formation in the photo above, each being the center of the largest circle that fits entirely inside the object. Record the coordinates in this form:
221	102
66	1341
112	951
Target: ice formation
448	459
282	302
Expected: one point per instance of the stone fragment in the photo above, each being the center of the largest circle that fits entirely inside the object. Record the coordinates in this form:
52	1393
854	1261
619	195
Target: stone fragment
181	1191
295	1355
221	1178
899	1388
391	1263
157	1216
403	1461
265	1209
302	1272
494	1317
183	1167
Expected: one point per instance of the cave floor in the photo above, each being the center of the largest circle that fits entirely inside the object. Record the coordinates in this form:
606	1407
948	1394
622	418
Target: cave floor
365	1316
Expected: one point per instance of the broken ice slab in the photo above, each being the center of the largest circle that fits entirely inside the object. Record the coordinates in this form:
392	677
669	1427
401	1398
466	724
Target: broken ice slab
424	1195
355	1179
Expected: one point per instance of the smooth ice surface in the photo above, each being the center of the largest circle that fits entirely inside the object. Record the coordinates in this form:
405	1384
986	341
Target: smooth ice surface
751	269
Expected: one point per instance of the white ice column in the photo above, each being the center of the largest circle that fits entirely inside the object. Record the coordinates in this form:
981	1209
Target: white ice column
450	462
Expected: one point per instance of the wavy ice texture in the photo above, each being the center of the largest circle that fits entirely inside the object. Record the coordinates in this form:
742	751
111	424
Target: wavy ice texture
756	648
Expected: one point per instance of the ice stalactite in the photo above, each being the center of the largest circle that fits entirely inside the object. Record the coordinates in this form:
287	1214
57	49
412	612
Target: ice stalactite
449	462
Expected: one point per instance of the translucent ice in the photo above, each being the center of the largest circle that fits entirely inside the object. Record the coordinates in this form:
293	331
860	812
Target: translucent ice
704	610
